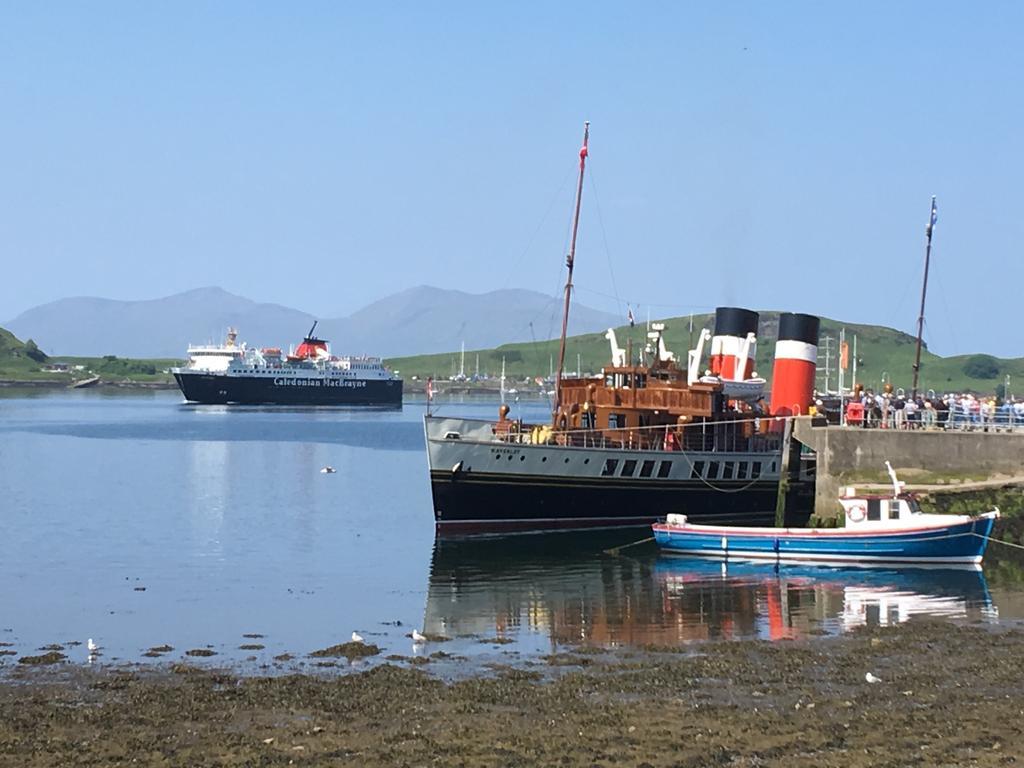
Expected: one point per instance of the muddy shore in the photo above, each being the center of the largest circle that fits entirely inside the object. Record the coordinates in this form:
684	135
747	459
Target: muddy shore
67	384
948	695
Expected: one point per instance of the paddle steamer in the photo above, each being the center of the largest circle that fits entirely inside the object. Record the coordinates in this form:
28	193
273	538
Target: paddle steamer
647	438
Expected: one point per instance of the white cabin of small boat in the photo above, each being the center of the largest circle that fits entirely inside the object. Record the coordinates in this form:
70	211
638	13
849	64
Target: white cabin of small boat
873	511
880	510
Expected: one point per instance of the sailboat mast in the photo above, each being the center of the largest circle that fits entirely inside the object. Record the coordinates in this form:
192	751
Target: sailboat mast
924	291
569	263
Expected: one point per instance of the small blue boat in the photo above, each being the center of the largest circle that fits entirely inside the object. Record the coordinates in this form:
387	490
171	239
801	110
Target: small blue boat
878	529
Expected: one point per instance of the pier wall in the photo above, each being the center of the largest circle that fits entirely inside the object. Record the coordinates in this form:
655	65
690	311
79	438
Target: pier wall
847	455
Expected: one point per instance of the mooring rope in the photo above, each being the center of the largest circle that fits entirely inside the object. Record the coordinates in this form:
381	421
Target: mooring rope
997	541
616	550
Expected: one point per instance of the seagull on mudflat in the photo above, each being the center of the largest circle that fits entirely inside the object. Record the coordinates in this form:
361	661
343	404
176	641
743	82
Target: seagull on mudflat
328	470
417	637
91	646
357	638
872	679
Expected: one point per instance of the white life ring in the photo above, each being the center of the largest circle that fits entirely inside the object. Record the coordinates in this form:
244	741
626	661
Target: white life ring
856	513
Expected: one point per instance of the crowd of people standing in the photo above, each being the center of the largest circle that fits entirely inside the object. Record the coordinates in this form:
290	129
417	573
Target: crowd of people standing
895	410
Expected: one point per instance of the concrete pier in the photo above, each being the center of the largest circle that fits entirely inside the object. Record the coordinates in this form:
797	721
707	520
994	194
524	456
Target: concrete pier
852	455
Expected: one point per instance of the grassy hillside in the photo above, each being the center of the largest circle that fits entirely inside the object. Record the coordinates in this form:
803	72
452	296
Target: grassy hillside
17	356
881	352
23	361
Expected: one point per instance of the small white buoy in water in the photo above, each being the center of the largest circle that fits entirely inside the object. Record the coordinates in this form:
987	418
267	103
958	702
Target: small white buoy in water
328	470
91	646
357	638
417	637
872	679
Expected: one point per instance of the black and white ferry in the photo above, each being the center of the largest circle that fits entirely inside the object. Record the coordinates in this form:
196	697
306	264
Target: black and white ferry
307	375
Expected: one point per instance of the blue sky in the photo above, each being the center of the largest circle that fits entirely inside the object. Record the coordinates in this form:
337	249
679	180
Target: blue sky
322	155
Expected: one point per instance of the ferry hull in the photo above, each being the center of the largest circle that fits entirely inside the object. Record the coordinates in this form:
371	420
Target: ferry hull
961	543
220	388
476	503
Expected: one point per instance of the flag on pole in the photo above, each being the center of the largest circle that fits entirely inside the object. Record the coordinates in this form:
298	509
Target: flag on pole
933	218
430	388
844	355
629	316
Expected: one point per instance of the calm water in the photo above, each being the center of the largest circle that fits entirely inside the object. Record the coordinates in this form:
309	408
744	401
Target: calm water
137	520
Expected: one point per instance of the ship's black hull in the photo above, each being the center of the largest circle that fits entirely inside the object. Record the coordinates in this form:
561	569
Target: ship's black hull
500	503
265	390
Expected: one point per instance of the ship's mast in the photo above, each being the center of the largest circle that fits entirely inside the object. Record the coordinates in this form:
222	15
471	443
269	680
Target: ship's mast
568	263
924	290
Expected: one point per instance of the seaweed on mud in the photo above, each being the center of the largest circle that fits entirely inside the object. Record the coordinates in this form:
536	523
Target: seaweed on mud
53	657
200	652
350	650
158	649
745	704
567	660
116	682
251	647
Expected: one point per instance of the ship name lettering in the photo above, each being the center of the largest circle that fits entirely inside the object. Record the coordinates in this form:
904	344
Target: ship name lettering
281	381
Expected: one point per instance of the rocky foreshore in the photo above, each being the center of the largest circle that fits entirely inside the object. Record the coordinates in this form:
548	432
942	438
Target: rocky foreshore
945	695
69	384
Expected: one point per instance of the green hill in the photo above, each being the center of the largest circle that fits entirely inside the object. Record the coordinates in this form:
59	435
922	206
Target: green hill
24	361
883	354
19	356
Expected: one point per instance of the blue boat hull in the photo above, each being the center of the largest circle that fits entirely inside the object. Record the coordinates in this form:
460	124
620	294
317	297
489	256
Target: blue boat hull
960	543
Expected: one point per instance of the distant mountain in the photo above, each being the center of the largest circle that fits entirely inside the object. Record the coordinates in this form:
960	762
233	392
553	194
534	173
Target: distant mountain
417	321
436	319
154	328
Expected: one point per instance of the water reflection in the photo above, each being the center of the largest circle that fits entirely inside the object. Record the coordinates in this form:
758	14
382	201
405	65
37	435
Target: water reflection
209	492
776	602
559	589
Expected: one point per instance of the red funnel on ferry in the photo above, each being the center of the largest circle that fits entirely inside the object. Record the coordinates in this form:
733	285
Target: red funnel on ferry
311	348
796	358
730	344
